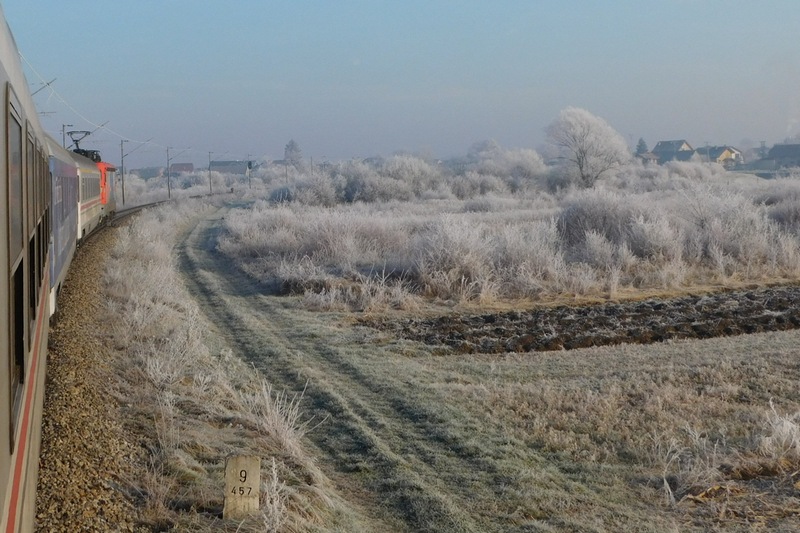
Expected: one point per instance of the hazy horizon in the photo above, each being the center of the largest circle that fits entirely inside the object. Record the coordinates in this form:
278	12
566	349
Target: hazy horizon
365	78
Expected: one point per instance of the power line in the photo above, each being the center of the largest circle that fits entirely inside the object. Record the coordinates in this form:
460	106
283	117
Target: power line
54	92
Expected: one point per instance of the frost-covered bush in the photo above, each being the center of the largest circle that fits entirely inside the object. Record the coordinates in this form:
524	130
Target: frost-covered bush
453	258
782	200
557	179
472	184
516	169
727	230
282	194
596	210
316	190
695	171
518	163
415	172
639	227
355	182
376	188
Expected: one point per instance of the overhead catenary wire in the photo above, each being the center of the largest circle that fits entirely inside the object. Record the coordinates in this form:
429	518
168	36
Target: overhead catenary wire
103	127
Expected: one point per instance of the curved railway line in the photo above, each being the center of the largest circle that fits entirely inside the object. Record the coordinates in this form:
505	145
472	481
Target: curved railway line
85	452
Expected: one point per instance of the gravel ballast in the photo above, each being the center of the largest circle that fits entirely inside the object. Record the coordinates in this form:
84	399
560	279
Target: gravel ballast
85	455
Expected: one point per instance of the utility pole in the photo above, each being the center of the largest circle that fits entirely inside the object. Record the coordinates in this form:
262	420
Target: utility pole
209	174
122	162
122	166
247	171
169	189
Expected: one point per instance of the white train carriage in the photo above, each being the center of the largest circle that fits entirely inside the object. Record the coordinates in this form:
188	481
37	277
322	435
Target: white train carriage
65	192
90	212
24	288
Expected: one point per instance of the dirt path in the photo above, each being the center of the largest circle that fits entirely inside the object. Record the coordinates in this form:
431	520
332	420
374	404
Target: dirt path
383	437
368	430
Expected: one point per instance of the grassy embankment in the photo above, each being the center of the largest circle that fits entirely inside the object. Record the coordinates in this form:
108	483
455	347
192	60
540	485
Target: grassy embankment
192	407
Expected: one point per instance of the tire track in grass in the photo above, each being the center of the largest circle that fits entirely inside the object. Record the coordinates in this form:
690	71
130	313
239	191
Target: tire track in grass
397	454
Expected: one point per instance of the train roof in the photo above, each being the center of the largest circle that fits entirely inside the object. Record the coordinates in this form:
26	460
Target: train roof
55	149
11	70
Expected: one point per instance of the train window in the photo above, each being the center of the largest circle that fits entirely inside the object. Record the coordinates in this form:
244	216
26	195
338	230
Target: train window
32	192
29	177
32	286
41	233
15	192
40	176
17	323
16	259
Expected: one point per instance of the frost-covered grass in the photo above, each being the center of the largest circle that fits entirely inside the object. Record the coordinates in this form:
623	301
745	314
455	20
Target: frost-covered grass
690	435
698	427
139	191
194	406
643	229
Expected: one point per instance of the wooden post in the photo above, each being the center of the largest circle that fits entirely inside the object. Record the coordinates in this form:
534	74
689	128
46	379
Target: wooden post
242	486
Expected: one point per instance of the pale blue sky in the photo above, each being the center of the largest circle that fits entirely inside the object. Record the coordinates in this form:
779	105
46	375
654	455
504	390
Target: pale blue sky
349	78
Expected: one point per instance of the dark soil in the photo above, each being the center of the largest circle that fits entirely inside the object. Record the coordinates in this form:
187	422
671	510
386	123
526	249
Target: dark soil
567	327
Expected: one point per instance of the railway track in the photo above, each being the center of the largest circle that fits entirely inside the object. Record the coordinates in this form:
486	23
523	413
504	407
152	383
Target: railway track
84	448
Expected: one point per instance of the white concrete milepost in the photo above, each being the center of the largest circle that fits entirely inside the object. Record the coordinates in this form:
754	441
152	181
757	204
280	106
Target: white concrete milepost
242	486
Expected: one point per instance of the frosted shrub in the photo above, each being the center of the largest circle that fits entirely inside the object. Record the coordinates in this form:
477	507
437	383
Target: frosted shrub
478	205
782	200
383	189
474	184
782	436
415	172
273	504
262	231
282	194
519	163
599	211
277	414
581	278
695	171
517	168
726	226
371	293
597	251
786	214
310	249
654	237
356	181
668	231
787	254
317	190
452	257
528	257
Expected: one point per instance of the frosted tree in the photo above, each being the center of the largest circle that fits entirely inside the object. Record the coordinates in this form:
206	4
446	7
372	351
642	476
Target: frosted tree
641	147
587	144
292	154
